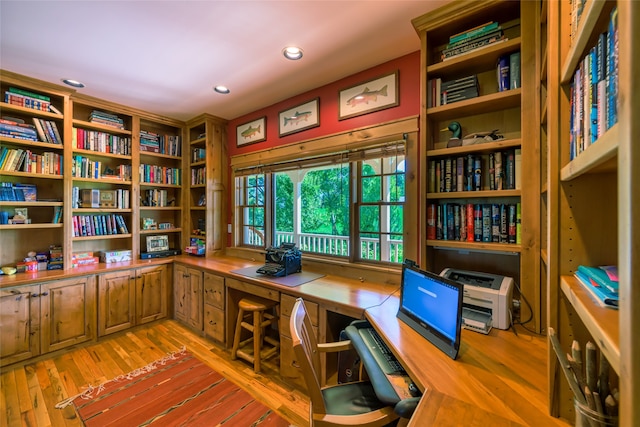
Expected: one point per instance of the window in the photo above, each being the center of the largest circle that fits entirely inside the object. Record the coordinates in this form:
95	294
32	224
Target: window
348	205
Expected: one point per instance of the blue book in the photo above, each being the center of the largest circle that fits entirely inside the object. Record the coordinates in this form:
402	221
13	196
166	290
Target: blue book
601	296
503	73
600	276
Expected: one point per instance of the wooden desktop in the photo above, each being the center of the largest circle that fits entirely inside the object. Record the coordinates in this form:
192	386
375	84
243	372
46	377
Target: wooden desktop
497	379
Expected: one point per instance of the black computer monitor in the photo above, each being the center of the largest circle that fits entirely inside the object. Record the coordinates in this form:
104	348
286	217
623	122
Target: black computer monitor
432	306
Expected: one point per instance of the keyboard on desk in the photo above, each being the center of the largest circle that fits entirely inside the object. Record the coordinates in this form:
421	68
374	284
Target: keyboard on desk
381	352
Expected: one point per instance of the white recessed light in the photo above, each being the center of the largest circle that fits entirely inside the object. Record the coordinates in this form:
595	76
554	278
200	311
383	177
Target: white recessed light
73	83
292	52
221	89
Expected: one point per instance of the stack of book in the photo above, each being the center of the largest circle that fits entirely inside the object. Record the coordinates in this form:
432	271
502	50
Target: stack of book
601	283
84	258
17	129
16	192
473	39
108	119
459	89
23	98
47	131
56	260
149	141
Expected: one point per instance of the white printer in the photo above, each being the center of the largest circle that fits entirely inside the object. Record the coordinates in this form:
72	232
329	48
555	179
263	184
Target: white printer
487	298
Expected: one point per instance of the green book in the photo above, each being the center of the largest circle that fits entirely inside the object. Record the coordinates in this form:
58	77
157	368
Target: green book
514	70
29	94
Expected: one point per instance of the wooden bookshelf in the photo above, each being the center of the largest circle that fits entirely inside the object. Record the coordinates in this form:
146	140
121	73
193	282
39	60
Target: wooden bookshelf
509	111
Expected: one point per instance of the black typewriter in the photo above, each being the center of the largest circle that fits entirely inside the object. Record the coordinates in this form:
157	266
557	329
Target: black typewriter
282	261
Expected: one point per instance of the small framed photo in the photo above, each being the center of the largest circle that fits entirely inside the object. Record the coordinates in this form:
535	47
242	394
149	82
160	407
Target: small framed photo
157	243
370	96
21	213
252	132
299	118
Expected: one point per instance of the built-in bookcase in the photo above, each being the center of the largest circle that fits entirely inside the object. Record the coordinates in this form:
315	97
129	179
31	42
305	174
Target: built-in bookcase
456	195
594	207
37	164
161	180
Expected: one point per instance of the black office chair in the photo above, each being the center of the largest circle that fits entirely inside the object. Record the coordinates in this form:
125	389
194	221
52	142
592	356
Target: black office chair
352	403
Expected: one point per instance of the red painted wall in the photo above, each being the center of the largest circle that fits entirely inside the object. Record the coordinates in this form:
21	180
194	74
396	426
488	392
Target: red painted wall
408	67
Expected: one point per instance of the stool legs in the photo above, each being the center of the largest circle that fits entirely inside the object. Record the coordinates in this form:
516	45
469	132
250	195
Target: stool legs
255	312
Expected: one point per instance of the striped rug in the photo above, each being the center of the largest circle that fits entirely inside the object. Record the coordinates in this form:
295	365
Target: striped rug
178	390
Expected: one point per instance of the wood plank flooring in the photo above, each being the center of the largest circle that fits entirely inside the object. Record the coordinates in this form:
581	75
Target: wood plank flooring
29	392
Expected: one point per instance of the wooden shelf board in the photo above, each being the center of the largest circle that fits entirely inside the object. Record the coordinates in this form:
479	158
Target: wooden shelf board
601	322
158	231
479	105
30	144
164	156
200	141
480	59
4	106
474	246
100	127
100	210
31	204
29	226
476	148
599	157
103	180
475	194
160	208
30	175
153	184
104	237
100	154
588	20
198	163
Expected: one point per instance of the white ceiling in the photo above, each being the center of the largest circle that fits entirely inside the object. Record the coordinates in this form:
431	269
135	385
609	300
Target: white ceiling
165	56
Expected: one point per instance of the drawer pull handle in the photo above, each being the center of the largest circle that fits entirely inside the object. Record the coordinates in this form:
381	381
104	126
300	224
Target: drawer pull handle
295	364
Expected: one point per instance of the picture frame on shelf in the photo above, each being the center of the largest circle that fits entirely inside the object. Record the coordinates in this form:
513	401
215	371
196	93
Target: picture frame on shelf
373	95
301	117
251	132
158	243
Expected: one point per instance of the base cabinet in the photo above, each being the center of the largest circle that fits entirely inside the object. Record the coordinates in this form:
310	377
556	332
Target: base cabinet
188	296
131	297
38	319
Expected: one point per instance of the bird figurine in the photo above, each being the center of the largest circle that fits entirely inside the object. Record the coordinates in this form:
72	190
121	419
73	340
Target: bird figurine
456	134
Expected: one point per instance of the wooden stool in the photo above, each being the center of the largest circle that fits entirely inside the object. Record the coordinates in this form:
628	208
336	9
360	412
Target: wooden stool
261	319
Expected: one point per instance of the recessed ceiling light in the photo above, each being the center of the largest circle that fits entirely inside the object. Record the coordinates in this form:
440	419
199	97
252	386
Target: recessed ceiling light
73	83
221	89
291	52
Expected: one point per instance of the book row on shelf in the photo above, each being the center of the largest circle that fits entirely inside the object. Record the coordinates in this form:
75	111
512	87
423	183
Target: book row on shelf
41	130
594	90
84	167
479	222
16	192
99	225
104	142
499	170
198	154
442	93
508	72
198	176
160	175
23	98
21	160
162	144
156	198
473	39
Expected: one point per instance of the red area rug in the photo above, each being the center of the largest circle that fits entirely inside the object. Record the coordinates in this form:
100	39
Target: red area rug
178	390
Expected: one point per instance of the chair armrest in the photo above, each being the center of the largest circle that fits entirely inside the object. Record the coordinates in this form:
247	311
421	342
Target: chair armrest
334	346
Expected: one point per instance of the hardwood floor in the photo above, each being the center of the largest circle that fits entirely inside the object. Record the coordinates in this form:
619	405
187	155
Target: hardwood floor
30	392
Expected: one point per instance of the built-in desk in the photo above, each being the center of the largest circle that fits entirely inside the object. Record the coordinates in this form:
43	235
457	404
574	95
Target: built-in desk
497	380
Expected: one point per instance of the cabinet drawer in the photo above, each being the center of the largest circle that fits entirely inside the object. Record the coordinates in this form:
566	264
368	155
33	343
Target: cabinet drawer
256	290
286	306
214	290
214	323
289	369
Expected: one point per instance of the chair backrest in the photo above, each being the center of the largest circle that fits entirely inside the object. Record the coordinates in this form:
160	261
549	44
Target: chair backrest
305	347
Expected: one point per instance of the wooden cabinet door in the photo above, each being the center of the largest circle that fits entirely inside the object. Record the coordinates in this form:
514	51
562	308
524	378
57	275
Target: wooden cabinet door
195	306
180	292
214	323
214	290
67	312
116	302
19	323
151	294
